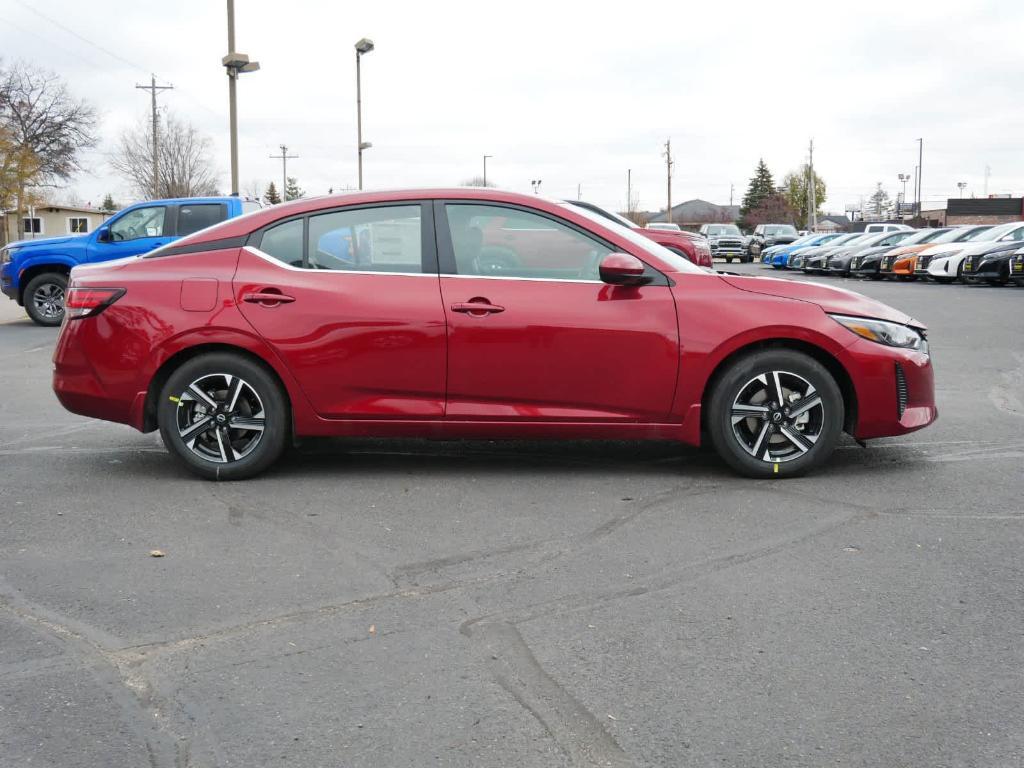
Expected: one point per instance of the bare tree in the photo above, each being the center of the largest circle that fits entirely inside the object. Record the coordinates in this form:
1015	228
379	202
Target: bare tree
186	168
477	181
43	131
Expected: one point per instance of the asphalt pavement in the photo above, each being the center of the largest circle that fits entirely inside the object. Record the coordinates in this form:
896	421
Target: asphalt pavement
412	603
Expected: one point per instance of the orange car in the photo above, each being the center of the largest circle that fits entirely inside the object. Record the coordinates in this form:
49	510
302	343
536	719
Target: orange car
902	261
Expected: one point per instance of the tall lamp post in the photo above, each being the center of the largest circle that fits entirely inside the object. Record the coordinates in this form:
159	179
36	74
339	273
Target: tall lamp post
365	45
904	178
485	168
961	185
235	63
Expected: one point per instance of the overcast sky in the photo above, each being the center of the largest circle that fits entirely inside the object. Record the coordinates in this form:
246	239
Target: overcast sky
570	93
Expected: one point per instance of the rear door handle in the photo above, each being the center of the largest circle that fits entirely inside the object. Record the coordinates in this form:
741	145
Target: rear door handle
267	298
477	307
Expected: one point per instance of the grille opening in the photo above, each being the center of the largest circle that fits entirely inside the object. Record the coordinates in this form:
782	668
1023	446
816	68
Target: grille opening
902	394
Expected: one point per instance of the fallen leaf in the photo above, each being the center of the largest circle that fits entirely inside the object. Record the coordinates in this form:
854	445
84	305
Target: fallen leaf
156	553
373	629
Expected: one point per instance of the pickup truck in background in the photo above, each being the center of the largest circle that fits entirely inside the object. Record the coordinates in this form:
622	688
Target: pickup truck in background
767	235
34	273
725	241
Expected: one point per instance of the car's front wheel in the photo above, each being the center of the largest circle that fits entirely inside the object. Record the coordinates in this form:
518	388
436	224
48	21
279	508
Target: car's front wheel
223	415
44	298
775	413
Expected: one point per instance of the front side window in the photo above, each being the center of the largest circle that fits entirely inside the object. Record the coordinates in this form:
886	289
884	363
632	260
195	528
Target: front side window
78	226
192	218
284	242
141	222
507	242
380	239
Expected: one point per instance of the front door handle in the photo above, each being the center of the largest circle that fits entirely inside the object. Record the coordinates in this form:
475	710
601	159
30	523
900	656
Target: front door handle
267	298
478	307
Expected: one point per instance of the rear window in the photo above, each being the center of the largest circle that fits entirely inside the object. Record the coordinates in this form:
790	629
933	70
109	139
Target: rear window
192	218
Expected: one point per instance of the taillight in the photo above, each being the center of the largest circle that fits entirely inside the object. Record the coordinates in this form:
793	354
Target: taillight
88	302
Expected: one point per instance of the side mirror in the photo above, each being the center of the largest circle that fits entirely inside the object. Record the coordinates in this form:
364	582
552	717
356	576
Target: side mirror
621	269
104	235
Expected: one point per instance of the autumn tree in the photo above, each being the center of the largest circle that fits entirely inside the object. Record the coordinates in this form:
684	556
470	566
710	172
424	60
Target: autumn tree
43	132
271	195
795	187
774	209
185	165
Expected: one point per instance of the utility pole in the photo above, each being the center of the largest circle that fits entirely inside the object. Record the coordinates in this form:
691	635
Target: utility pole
579	191
988	172
812	193
153	88
629	190
668	172
732	188
920	173
235	64
915	190
284	157
485	168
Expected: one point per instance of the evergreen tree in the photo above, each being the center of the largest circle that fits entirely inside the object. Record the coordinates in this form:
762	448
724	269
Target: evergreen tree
271	197
109	204
879	200
762	186
293	191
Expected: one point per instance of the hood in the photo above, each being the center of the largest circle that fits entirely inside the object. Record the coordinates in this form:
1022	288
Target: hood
834	300
42	242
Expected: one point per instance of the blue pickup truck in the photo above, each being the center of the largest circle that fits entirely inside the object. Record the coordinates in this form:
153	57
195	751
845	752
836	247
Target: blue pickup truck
34	273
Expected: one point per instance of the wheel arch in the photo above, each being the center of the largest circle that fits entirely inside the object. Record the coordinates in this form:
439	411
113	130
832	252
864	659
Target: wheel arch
818	353
26	275
172	363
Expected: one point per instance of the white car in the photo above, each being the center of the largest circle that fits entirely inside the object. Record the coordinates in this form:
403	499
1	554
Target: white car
878	227
665	226
946	260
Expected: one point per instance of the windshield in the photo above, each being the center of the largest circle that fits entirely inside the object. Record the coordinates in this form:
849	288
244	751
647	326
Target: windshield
846	239
993	234
674	261
780	229
723	229
965	234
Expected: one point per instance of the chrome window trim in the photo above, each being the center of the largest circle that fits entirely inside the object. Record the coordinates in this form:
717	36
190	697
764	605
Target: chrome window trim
267	257
530	279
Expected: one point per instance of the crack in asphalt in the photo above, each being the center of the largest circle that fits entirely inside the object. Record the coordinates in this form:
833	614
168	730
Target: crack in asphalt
1004	396
573	727
141	710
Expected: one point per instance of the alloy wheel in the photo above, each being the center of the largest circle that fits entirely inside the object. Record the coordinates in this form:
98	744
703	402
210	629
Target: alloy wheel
48	300
220	418
777	416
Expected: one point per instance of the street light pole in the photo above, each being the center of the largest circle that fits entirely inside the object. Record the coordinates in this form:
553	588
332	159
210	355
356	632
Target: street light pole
365	45
485	168
961	185
920	173
235	63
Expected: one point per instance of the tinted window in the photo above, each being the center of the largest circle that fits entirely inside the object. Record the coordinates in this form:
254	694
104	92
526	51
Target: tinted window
141	222
284	242
494	241
192	218
383	239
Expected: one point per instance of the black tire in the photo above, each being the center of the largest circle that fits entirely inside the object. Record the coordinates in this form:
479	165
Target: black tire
44	298
906	278
220	452
824	421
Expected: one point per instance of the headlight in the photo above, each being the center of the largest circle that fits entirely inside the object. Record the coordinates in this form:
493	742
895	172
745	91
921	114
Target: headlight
6	255
943	255
882	332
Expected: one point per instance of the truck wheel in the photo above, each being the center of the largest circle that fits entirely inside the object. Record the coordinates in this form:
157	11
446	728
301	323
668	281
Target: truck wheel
44	298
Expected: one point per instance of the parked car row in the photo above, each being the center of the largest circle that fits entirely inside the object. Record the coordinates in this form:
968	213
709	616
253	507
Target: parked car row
987	253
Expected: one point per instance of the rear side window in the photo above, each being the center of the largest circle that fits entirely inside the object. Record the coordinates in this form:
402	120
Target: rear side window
379	239
284	242
192	218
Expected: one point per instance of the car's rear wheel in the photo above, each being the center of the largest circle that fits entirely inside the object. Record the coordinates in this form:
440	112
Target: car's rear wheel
44	298
775	413
224	416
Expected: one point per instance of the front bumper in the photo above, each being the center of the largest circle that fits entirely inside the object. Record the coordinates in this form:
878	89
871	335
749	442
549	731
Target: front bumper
895	389
864	267
7	284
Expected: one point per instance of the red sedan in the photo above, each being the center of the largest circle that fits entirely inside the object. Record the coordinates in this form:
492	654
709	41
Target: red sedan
469	313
